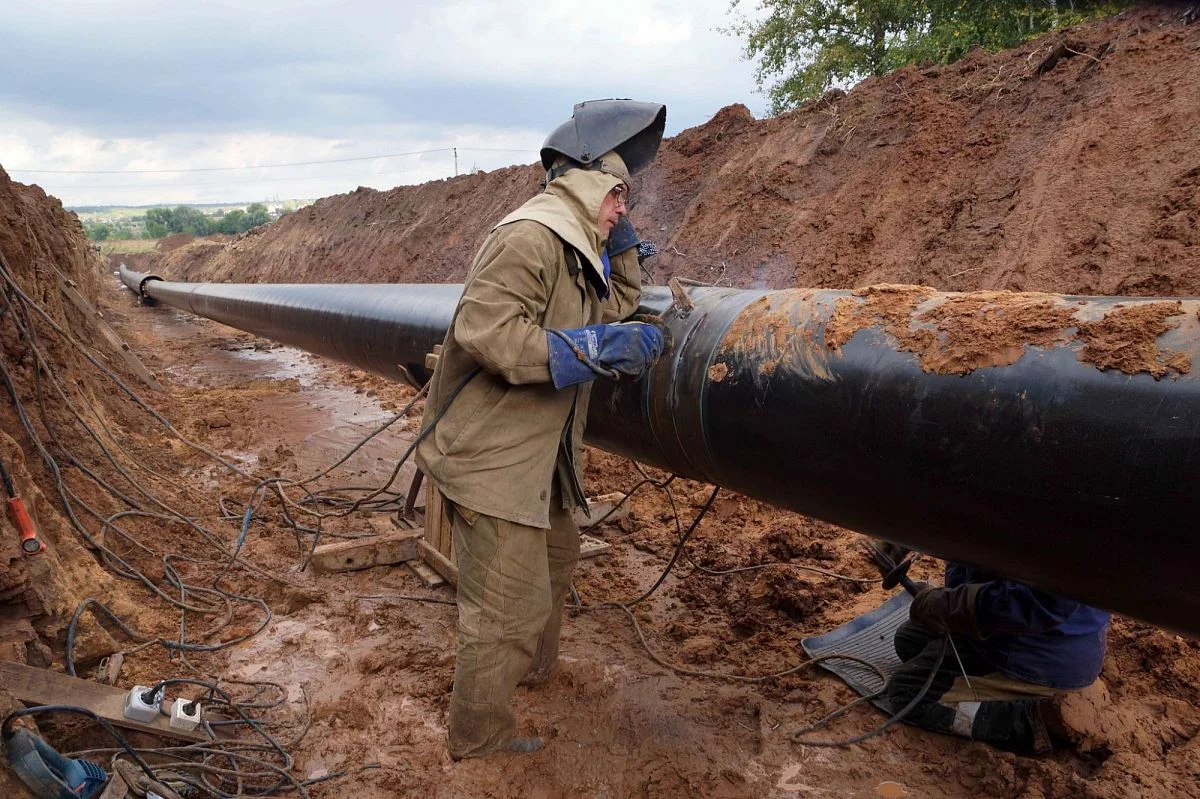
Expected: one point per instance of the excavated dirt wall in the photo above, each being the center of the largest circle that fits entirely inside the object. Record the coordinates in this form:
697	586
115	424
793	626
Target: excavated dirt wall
1067	165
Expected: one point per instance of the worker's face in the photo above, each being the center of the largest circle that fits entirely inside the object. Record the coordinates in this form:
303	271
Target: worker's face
612	208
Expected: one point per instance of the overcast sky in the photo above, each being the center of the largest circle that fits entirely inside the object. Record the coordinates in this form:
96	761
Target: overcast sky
137	85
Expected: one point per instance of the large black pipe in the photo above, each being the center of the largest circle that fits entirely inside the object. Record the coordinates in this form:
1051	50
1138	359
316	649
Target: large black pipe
1074	478
386	329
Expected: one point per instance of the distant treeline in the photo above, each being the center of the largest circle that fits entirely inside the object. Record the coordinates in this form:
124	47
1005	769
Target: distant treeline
159	222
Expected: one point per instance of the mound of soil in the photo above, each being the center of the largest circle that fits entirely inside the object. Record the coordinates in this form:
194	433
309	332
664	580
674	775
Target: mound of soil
1044	168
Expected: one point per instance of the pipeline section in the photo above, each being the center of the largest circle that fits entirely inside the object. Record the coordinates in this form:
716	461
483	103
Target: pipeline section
1076	479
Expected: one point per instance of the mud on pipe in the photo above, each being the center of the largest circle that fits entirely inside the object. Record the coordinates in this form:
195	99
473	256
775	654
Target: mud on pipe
1047	438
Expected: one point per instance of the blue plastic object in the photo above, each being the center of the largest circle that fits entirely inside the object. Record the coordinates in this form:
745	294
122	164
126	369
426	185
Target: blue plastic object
48	774
581	354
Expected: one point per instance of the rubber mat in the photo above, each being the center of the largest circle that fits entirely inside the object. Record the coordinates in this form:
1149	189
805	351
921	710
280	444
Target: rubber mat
868	637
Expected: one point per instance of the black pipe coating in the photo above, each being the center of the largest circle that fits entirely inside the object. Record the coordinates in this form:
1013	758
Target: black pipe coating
1051	470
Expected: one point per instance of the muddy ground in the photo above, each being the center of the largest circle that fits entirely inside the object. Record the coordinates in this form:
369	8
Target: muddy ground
372	676
1074	173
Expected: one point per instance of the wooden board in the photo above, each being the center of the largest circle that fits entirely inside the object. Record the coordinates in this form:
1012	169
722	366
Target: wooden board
43	687
590	546
599	507
117	788
428	576
363	553
439	562
437	523
108	334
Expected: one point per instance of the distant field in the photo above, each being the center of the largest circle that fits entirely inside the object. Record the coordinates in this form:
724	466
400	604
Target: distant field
127	245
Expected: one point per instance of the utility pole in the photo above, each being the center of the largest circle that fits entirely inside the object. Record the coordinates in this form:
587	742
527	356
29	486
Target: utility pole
455	162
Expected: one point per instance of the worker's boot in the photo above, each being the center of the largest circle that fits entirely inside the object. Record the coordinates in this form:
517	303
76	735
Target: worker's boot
1077	718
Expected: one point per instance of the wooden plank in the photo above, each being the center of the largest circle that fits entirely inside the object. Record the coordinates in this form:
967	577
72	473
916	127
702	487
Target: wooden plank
364	553
599	506
590	547
438	531
117	788
108	334
440	563
428	576
43	687
431	358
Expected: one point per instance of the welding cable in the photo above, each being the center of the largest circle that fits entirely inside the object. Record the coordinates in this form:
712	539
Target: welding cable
424	390
151	694
6	726
70	498
278	483
7	274
92	602
742	678
880	729
425	431
66	494
678	550
611	374
234	753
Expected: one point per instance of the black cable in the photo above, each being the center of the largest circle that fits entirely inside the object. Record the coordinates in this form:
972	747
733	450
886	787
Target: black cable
611	374
879	730
6	727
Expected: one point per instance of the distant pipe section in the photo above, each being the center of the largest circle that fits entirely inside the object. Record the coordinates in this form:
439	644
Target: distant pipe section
1034	462
386	329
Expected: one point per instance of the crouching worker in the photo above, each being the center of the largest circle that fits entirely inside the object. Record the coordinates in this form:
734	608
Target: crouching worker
537	323
1022	650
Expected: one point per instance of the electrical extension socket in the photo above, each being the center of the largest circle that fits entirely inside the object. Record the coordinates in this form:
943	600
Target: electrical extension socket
137	709
181	719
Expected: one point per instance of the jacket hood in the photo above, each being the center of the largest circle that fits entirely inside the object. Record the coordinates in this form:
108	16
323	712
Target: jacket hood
570	206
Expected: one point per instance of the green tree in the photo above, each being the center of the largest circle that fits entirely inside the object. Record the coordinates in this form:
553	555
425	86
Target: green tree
233	222
99	231
192	221
161	220
803	47
257	214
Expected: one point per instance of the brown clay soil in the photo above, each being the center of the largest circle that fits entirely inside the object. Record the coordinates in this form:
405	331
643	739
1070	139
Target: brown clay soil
1074	174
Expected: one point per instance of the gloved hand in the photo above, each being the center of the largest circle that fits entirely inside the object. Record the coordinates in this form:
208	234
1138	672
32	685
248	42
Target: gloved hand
623	237
947	610
646	249
893	552
581	354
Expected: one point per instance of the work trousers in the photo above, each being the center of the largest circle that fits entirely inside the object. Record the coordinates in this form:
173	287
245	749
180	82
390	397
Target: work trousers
995	709
513	582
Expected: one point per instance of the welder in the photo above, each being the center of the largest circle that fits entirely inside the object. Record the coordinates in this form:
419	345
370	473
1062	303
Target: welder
539	320
1002	656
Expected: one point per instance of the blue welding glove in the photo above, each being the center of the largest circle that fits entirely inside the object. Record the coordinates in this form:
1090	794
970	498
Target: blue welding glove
584	353
624	237
646	249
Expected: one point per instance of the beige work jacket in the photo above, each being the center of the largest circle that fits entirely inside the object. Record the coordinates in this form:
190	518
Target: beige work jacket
495	449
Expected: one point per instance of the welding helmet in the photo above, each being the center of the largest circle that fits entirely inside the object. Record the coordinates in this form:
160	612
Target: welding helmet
634	129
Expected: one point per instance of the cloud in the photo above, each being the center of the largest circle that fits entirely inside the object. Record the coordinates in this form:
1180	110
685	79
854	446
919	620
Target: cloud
126	83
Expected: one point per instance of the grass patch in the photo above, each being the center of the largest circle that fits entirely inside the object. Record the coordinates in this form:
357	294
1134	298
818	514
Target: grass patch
127	246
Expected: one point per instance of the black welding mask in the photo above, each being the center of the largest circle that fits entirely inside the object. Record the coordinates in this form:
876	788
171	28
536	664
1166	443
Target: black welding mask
634	129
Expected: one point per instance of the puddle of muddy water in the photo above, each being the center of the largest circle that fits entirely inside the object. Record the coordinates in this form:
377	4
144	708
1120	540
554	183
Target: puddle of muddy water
318	422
